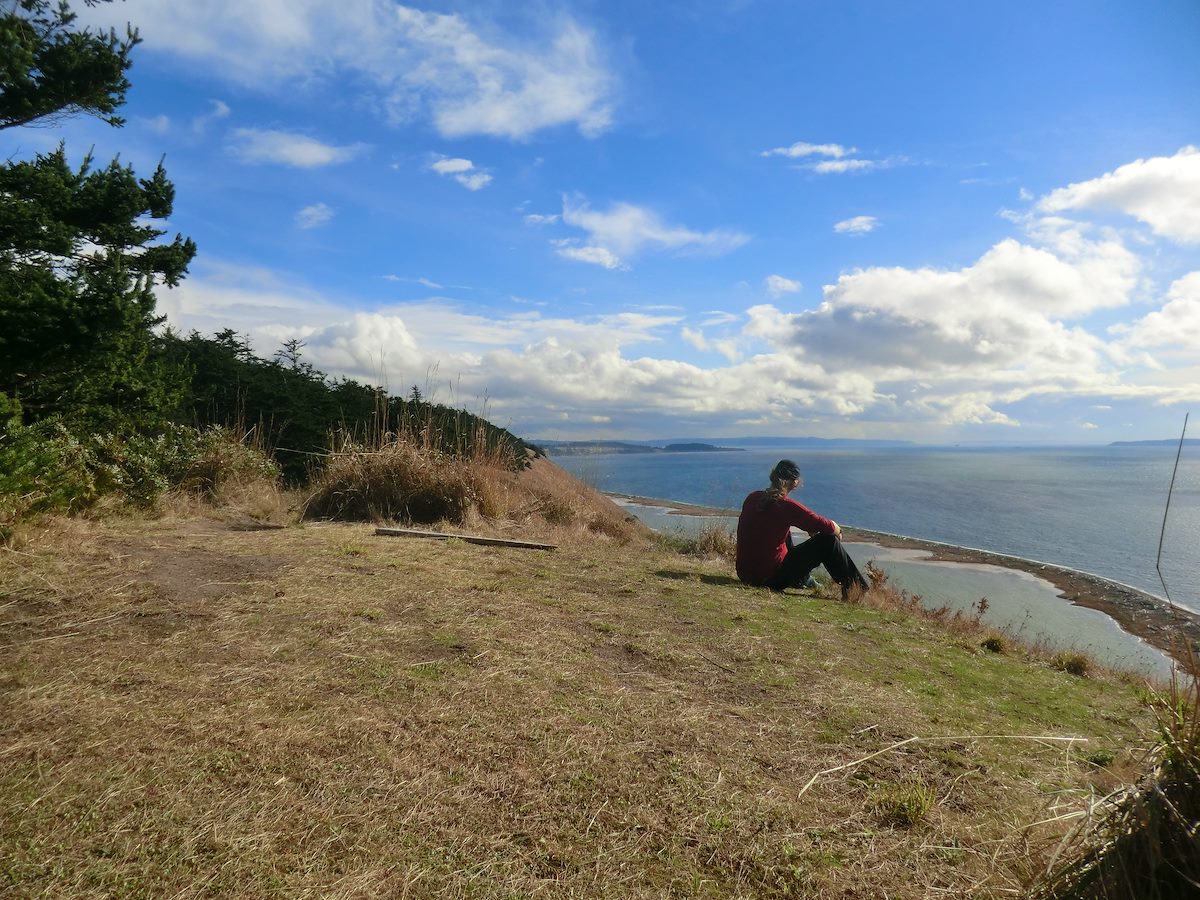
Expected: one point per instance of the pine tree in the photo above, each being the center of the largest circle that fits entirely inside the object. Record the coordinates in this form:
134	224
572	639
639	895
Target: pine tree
78	261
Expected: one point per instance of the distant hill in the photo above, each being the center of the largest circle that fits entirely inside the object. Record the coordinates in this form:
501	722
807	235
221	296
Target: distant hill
589	448
705	445
747	442
1168	442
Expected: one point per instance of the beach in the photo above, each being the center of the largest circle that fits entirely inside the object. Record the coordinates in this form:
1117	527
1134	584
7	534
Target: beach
1162	625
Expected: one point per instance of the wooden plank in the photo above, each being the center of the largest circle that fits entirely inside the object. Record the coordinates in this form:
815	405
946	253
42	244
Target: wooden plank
469	538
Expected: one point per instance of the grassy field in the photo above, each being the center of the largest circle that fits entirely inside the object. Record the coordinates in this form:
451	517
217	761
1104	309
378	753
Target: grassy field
194	709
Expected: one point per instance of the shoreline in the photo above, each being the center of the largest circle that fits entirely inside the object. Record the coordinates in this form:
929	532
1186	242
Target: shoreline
1138	612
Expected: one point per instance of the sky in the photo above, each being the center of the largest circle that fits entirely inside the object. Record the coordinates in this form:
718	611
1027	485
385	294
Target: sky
926	220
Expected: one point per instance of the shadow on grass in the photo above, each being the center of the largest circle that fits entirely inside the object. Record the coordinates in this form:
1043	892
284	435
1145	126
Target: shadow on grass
674	575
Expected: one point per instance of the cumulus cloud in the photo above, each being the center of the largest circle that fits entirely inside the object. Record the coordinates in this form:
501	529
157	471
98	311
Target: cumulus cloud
465	75
856	225
1175	326
1163	192
918	348
726	347
314	216
474	86
801	149
252	145
954	345
624	230
922	346
777	285
463	171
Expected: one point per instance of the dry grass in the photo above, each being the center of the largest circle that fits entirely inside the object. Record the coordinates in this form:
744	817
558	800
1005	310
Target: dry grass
192	709
1143	839
403	478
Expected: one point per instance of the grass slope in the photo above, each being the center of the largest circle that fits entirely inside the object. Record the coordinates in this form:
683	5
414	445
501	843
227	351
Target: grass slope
192	710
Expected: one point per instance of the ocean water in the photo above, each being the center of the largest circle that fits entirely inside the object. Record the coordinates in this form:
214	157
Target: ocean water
1095	509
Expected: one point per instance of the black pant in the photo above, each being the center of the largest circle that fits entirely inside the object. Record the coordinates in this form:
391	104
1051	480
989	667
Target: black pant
820	550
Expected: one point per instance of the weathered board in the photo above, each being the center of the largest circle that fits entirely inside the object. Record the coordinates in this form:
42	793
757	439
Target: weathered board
469	538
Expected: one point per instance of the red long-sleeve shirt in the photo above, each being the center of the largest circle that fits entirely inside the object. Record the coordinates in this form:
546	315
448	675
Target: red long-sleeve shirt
762	532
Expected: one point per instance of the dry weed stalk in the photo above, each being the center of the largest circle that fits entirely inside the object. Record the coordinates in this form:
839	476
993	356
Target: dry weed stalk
1142	841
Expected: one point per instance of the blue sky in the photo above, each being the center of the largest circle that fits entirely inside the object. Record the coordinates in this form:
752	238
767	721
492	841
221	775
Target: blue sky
936	221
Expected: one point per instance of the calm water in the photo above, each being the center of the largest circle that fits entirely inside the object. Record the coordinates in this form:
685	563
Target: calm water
1096	509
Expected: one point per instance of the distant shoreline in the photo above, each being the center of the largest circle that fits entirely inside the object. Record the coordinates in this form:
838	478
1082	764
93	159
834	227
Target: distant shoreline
1140	613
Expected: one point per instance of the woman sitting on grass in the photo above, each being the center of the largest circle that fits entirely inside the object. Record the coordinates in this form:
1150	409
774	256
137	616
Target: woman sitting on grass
766	555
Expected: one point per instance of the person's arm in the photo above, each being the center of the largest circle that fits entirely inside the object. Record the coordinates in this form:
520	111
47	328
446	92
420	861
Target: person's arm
806	520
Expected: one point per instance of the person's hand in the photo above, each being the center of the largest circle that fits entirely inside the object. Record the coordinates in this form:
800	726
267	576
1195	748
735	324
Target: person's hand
837	529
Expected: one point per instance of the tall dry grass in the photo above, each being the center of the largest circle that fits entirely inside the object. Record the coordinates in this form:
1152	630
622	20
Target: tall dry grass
413	475
402	481
1143	840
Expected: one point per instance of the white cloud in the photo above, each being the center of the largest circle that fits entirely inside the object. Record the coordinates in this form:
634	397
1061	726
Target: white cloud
218	110
1163	192
314	216
1176	325
719	317
252	145
474	86
538	219
777	285
801	148
838	160
625	230
466	75
856	225
463	171
446	166
841	166
951	346
158	124
727	348
424	282
474	181
917	348
599	256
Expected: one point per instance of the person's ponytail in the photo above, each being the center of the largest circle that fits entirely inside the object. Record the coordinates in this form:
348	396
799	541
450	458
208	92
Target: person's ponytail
785	471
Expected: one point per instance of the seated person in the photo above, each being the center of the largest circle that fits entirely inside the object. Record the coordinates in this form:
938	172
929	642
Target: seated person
765	555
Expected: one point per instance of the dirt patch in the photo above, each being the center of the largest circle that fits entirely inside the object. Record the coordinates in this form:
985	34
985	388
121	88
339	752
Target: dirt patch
184	571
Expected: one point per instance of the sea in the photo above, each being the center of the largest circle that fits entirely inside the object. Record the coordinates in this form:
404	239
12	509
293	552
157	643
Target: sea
1096	509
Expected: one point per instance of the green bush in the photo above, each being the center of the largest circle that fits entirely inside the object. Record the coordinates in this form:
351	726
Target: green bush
47	468
43	468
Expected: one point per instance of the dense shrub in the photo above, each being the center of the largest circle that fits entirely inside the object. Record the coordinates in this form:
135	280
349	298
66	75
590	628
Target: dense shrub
46	467
43	468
